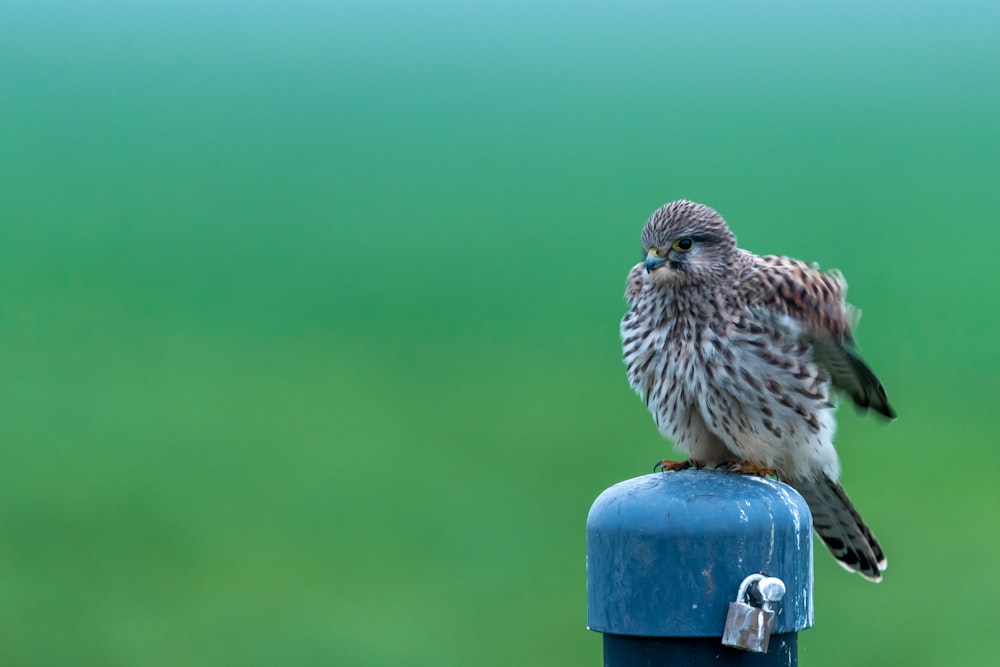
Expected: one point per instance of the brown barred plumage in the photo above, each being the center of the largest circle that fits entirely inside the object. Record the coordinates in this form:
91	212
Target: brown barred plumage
735	356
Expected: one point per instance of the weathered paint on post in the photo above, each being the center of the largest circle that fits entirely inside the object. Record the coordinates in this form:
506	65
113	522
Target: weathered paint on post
666	554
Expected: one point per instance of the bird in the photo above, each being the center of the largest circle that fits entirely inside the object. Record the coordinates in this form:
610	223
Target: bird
738	358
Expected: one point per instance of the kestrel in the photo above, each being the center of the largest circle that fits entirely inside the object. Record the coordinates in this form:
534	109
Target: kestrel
736	357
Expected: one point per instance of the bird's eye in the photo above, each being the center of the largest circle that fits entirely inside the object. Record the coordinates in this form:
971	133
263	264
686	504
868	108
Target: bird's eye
682	245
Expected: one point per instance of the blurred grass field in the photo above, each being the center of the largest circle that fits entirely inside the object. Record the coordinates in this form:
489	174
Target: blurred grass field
309	312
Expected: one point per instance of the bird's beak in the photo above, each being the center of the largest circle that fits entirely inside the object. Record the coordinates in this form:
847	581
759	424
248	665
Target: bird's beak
654	260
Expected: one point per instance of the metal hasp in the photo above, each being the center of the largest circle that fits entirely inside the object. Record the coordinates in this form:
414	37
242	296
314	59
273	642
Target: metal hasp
667	553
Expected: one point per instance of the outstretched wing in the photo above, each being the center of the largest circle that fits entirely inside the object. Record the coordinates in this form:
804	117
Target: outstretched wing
814	299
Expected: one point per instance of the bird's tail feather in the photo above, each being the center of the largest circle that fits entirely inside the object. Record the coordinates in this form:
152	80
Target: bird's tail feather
841	528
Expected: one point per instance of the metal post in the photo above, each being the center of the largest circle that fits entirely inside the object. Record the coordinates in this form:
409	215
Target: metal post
667	552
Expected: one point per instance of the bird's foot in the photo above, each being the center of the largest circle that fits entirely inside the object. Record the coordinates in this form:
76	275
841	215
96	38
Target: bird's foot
747	468
666	465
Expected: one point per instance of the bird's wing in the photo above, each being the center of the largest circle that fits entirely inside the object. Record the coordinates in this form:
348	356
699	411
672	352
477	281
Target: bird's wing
634	283
814	299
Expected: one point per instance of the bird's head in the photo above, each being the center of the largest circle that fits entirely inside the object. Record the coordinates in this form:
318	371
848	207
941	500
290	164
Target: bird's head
687	243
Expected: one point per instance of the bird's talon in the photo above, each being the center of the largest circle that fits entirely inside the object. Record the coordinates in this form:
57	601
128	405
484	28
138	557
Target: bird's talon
666	465
747	468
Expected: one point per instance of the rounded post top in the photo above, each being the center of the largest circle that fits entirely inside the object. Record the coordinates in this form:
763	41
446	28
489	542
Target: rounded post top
666	552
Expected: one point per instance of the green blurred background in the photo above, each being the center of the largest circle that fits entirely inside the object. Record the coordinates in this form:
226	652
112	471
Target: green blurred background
309	312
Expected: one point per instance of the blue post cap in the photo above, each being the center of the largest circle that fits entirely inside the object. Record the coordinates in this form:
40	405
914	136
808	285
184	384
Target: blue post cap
666	552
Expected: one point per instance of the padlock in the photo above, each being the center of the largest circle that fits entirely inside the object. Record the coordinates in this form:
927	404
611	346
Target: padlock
748	627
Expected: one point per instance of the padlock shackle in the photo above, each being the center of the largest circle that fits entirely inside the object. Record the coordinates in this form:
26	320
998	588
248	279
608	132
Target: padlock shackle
745	586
